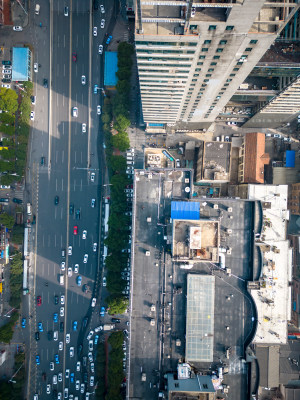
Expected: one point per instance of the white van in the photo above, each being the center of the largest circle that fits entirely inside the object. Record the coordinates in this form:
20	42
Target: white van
61	279
129	162
28	208
37	9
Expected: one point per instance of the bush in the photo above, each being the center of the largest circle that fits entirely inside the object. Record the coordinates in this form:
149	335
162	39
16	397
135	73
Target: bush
7	330
18	234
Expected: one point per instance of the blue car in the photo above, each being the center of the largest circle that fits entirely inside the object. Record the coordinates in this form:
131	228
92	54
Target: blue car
96	338
23	322
72	377
56	359
40	326
108	40
102	312
37	360
75	326
55	317
79	280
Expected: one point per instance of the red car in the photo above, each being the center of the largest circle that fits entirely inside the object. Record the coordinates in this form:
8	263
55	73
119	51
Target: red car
74	57
75	230
39	300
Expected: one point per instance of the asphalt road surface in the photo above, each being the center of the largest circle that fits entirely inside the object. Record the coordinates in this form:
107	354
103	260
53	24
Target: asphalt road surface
72	157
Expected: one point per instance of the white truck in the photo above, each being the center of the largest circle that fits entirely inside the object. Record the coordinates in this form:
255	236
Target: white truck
106	327
37	9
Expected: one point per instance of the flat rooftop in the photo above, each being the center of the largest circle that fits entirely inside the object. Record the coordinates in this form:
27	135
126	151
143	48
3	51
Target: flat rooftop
273	295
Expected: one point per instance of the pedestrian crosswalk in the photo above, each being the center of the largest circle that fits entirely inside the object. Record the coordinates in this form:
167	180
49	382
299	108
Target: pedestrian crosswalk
19	194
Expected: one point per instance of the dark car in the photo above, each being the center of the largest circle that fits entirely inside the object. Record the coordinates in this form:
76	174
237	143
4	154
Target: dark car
5	62
84	322
61	327
56	200
95	6
6	80
77	214
71	209
37	335
116	320
50	335
79	350
85	377
42	160
45	83
44	376
55	299
18	201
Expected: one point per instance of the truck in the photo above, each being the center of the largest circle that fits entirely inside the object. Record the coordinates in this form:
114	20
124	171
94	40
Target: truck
37	9
106	327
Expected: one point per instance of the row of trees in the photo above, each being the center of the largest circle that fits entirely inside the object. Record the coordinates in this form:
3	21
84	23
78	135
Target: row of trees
115	368
100	371
116	121
14	143
14	391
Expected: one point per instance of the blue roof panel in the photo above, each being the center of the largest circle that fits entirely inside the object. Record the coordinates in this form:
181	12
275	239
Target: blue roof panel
290	158
21	64
185	210
110	68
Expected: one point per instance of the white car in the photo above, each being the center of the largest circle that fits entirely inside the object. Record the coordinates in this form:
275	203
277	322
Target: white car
66	393
68	338
76	268
85	258
93	177
48	389
90	355
78	365
5	85
71	351
55	336
92	380
32	115
82	387
75	112
91	345
62	299
95	247
84	233
70	250
59	377
63	266
98	110
104	281
62	311
67	373
102	23
100	49
77	385
83	128
70	272
102	9
94	300
95	31
35	67
83	80
92	367
90	335
93	201
60	346
17	28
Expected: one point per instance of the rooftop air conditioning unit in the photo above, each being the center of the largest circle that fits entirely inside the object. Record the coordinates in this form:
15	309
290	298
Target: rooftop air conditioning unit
216	206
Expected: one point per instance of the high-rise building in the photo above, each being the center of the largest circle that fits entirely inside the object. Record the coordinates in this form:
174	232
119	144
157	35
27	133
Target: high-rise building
192	56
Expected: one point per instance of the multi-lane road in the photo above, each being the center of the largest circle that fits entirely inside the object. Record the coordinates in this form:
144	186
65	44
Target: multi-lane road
66	49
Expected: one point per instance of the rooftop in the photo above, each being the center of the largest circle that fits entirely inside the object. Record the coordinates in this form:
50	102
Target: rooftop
214	161
255	157
21	64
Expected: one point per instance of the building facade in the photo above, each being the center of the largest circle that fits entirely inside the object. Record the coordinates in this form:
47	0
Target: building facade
193	56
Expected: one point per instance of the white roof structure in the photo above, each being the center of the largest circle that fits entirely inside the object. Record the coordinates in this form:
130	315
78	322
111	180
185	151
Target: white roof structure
273	299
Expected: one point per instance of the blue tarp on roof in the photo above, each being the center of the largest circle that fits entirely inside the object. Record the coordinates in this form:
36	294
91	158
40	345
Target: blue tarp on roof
21	60
185	210
290	158
110	68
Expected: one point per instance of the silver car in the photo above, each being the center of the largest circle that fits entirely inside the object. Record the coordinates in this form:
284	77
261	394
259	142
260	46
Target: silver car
102	23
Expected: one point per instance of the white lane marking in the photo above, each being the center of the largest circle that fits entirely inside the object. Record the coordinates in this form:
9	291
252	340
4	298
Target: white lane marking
43	240
63	101
57	100
81	185
74	185
61	213
64	40
55	212
56	184
63	127
54	240
64	69
75	156
62	185
62	156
